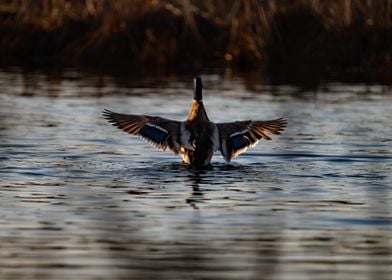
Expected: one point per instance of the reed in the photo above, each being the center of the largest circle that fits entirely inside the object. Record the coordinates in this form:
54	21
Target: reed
190	34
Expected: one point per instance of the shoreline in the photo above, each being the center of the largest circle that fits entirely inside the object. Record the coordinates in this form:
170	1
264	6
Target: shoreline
293	44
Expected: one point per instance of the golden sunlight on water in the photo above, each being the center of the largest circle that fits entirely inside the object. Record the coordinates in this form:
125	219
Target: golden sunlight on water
82	200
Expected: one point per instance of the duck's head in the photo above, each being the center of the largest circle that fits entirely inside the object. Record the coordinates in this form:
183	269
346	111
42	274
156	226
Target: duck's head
197	89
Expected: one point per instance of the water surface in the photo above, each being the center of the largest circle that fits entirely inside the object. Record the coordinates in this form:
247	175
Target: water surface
80	199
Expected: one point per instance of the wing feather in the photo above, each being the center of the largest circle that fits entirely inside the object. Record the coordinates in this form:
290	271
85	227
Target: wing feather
157	131
237	137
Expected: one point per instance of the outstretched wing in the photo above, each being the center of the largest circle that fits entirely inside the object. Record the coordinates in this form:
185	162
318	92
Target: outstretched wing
236	137
157	131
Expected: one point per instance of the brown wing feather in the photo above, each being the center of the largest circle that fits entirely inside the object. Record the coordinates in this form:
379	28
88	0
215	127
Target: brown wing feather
271	126
236	137
134	124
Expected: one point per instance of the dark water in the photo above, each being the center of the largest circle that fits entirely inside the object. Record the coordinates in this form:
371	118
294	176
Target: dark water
82	200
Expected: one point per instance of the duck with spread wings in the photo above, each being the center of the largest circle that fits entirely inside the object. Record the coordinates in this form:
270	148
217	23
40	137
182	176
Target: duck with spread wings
197	138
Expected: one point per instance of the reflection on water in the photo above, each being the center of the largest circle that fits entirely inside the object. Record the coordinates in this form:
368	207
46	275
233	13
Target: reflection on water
81	200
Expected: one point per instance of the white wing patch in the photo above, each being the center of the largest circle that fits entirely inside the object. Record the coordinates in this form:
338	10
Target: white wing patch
158	127
240	151
237	133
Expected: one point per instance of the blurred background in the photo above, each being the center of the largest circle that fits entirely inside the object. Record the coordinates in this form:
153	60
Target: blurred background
297	42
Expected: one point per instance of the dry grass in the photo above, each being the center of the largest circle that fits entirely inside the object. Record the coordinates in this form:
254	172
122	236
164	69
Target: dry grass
188	34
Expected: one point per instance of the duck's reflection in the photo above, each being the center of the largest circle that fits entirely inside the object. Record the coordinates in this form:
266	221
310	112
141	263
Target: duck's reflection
218	174
196	195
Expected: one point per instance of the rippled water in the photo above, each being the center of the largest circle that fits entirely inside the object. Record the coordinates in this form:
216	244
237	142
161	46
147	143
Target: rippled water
80	199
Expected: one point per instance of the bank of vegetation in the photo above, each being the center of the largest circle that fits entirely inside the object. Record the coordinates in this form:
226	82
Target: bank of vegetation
293	41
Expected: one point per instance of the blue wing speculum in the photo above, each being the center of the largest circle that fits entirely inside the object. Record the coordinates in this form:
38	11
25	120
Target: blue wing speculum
241	140
154	134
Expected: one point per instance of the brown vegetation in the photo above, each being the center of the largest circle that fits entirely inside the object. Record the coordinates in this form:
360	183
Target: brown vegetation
297	41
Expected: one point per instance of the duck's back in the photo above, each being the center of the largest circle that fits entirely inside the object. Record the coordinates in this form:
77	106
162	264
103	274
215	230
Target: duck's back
200	140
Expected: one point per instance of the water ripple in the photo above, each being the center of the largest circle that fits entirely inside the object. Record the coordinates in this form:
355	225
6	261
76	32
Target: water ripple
81	200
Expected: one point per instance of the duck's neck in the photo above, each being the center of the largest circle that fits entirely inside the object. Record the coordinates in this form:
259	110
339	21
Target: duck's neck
198	112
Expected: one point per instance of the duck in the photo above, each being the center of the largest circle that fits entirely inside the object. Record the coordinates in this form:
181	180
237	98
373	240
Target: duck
197	138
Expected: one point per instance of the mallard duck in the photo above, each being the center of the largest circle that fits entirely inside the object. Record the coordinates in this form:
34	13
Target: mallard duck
197	138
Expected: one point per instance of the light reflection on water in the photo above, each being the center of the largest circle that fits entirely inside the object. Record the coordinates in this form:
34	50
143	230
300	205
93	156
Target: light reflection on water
80	199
